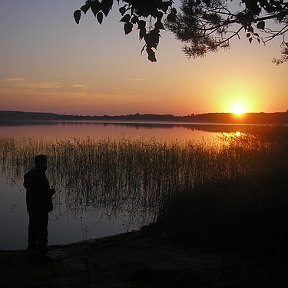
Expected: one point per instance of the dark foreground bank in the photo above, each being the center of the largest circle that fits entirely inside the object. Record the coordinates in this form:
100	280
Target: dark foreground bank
147	258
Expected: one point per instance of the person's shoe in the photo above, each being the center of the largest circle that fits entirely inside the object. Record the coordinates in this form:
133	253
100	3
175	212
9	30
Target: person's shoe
31	249
46	259
43	251
32	253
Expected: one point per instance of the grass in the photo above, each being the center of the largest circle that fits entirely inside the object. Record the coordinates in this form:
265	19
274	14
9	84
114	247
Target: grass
231	190
247	211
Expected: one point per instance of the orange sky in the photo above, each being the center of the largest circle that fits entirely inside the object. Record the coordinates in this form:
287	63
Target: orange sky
51	64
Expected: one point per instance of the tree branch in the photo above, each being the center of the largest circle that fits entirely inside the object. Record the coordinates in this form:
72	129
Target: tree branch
230	37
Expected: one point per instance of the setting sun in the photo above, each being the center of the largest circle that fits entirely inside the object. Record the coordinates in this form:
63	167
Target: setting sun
238	109
239	97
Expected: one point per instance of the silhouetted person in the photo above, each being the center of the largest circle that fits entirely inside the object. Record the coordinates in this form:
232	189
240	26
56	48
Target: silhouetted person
39	204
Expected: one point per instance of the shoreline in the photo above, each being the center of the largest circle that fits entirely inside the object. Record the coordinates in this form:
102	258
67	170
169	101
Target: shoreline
145	258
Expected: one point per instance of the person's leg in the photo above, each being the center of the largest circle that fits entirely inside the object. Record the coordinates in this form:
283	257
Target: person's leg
32	232
43	233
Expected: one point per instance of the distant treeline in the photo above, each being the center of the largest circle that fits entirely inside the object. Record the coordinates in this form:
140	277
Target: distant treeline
276	118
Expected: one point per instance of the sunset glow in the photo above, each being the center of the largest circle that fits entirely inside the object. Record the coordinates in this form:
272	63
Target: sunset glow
239	109
237	133
71	72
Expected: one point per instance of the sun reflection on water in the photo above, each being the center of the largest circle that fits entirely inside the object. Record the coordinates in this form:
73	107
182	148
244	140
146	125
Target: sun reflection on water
237	133
231	135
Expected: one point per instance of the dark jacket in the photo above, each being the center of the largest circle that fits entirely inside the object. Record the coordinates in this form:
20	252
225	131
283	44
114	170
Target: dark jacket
38	193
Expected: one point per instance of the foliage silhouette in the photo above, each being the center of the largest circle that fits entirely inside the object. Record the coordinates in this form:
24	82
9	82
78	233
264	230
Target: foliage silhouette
203	25
207	26
147	16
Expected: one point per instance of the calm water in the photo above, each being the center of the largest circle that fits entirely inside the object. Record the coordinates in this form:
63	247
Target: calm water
71	220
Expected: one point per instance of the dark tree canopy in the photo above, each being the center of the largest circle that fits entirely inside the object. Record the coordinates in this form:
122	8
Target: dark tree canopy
209	25
203	25
146	16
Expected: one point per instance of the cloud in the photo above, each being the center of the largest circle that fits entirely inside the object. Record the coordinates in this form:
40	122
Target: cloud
24	83
135	79
13	79
78	86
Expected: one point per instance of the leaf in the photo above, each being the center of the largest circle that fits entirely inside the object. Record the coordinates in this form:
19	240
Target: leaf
261	25
152	38
159	16
77	16
143	48
248	35
165	6
125	18
106	6
100	16
95	7
128	26
250	29
250	39
171	17
134	19
142	33
159	25
122	10
85	8
141	24
173	11
151	55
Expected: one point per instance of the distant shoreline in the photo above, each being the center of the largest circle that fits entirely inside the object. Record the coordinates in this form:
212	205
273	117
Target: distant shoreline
276	118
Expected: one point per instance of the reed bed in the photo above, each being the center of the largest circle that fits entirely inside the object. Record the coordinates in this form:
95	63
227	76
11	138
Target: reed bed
138	177
248	210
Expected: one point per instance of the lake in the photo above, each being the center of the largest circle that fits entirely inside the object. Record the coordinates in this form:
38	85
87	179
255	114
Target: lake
114	195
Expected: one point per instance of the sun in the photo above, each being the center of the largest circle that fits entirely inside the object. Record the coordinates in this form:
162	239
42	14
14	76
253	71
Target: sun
239	109
238	97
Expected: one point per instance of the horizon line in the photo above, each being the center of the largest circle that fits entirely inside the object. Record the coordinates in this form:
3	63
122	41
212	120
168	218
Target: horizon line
140	114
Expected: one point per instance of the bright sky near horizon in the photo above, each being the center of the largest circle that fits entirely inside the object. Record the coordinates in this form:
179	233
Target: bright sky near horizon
51	64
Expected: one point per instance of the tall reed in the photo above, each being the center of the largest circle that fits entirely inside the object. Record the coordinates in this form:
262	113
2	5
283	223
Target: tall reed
136	176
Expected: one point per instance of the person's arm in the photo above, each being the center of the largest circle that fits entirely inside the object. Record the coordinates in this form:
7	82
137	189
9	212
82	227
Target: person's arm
51	191
27	181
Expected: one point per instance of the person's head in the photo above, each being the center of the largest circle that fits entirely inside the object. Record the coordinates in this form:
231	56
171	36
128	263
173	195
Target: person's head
41	162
